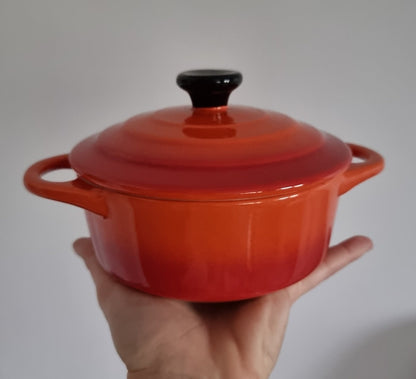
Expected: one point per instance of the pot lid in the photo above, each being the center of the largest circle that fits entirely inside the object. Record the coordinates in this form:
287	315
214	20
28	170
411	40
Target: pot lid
210	150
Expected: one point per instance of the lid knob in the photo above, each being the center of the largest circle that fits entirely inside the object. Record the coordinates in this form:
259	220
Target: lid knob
209	88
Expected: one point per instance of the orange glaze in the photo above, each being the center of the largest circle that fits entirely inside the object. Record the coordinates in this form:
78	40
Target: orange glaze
210	202
215	251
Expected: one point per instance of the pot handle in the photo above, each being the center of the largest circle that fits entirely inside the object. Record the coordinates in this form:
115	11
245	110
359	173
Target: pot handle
371	165
76	192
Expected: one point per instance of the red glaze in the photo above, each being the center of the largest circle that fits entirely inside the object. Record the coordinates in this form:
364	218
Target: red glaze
215	251
76	192
208	204
211	153
208	250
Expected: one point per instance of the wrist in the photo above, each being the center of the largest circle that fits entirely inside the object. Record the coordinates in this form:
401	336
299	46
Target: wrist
172	374
159	374
174	367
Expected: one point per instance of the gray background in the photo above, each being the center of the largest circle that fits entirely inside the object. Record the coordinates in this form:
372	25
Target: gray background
70	68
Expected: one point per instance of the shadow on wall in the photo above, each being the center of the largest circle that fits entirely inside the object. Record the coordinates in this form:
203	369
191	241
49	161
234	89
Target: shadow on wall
389	353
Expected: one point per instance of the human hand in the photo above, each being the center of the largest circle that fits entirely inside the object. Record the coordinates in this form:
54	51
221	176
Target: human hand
165	338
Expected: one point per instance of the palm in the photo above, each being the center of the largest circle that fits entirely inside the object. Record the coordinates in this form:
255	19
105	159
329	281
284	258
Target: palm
239	334
239	339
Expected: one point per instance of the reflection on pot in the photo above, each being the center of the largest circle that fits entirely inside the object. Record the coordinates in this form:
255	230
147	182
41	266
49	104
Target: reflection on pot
210	132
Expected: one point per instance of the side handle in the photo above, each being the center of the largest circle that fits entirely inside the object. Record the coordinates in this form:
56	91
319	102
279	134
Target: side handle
372	163
76	192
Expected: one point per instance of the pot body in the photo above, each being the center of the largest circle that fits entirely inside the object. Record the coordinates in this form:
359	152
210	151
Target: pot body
215	250
210	202
208	250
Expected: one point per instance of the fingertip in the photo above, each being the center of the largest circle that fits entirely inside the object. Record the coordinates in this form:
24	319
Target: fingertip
338	257
78	242
82	246
360	243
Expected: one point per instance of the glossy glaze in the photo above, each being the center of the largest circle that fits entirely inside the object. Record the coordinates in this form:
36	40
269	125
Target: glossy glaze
194	154
208	250
215	251
76	192
208	204
209	88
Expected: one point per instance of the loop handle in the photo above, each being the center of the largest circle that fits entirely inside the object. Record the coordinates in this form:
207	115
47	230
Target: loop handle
76	192
372	164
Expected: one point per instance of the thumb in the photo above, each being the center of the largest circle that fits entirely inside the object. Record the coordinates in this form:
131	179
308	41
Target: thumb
338	257
84	248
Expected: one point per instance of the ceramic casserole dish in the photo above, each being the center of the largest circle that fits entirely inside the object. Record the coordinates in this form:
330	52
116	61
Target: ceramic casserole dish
209	202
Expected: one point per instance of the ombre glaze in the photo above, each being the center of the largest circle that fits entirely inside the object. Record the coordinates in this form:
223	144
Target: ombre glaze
210	203
215	251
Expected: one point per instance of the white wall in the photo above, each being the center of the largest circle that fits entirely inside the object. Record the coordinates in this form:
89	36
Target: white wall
71	68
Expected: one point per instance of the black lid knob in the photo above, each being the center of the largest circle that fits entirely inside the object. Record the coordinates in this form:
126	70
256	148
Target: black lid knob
209	88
